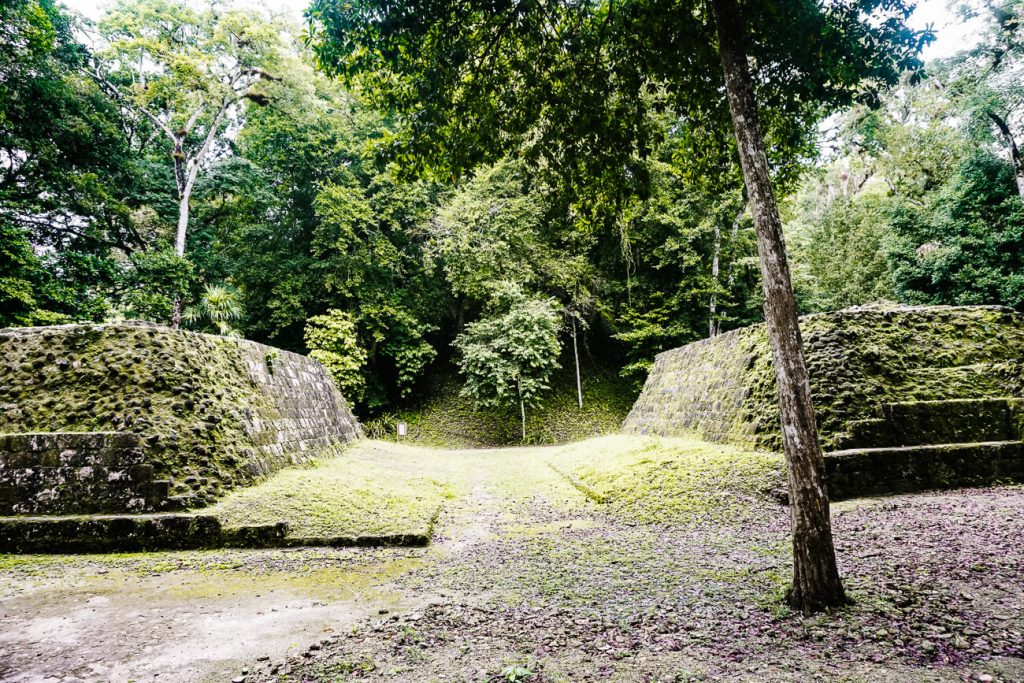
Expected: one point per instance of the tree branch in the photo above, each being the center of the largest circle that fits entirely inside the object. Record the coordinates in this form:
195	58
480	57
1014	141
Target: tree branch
116	92
191	123
197	160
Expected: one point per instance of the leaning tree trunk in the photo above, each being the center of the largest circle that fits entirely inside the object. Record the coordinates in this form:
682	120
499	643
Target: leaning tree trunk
576	355
816	582
1011	144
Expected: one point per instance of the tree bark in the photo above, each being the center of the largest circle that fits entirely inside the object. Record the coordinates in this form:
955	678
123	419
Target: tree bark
1011	144
576	355
522	407
713	304
816	582
183	211
187	182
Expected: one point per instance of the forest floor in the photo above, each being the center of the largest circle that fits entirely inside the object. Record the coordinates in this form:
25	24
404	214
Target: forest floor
619	558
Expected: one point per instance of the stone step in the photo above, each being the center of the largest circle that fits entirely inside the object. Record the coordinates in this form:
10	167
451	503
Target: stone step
127	533
918	423
79	490
184	501
875	471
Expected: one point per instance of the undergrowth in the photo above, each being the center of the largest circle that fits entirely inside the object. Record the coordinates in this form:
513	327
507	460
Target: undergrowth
448	420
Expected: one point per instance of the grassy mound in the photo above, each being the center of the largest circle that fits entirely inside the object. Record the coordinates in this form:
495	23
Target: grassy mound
660	480
448	420
369	492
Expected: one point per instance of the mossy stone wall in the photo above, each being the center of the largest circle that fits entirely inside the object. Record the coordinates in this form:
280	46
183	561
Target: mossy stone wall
212	413
77	472
723	388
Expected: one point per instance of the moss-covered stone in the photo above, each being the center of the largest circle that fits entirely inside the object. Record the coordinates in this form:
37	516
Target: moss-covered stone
99	533
209	411
723	388
913	468
77	472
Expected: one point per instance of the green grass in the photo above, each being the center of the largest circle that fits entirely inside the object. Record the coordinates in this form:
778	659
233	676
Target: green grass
370	490
380	492
671	480
448	420
382	489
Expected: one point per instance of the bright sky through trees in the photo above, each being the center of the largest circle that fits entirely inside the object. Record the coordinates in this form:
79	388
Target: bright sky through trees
951	34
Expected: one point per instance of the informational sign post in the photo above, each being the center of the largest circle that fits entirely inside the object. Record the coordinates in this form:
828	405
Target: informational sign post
403	428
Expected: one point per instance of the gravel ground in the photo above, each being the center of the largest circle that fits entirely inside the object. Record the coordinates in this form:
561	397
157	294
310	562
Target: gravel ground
549	586
529	579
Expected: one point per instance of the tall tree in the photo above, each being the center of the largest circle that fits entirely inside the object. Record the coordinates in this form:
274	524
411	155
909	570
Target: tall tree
575	83
816	582
186	71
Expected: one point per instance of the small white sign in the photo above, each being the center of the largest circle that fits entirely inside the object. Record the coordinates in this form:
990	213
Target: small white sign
402	428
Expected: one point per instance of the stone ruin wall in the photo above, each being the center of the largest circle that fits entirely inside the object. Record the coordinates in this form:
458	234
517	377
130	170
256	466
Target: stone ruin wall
134	417
723	388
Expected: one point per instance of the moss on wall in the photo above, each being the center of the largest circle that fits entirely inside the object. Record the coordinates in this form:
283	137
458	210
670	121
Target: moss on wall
723	388
214	412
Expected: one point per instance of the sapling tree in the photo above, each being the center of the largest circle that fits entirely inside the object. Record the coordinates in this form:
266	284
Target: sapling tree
217	310
500	227
507	356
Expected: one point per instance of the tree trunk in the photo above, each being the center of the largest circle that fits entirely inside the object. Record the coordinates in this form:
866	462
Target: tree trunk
183	211
185	174
460	313
1015	158
522	407
179	249
576	355
713	304
816	582
181	180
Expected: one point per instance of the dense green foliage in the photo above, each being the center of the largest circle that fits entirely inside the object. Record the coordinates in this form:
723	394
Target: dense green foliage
67	169
923	199
331	338
583	89
373	228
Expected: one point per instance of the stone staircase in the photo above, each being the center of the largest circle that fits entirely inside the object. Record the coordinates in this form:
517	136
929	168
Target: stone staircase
925	444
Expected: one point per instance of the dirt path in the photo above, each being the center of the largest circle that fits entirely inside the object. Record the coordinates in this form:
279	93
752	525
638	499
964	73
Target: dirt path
529	580
179	617
205	616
